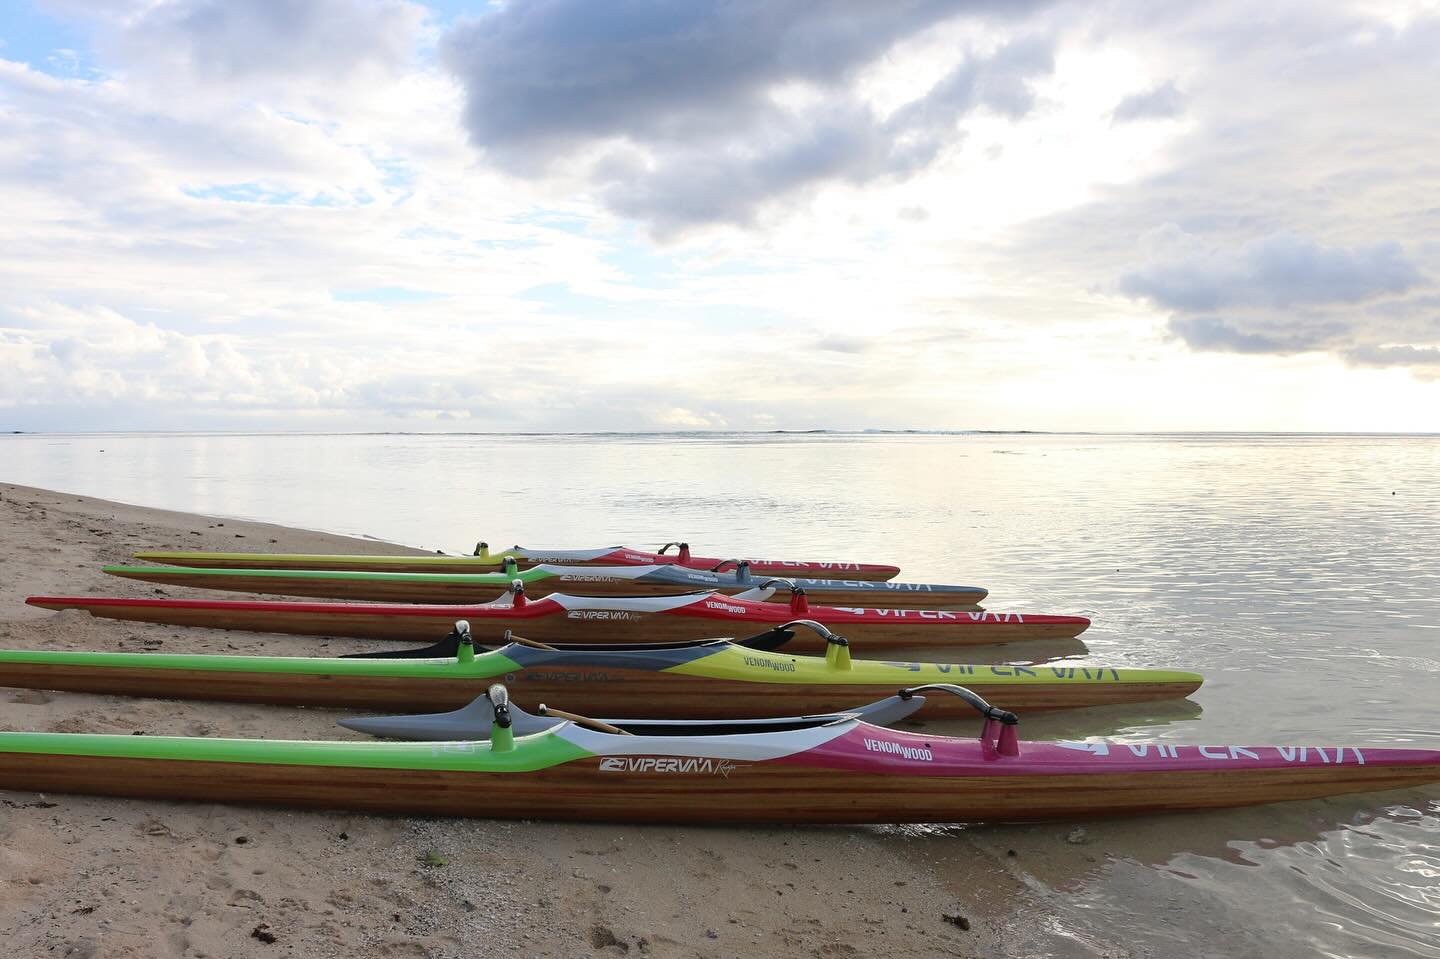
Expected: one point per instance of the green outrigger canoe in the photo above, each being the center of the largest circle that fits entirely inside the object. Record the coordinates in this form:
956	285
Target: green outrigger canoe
704	679
410	587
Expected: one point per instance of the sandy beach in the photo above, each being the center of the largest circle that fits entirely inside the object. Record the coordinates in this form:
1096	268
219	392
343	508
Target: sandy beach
86	876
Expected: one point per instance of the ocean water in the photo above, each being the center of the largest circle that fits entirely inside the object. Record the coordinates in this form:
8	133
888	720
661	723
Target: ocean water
1300	574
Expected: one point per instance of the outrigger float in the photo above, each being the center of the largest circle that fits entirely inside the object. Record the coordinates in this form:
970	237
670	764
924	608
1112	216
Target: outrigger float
827	769
484	561
561	617
398	587
702	679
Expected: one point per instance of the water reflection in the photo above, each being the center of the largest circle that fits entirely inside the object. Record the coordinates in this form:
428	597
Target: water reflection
1348	876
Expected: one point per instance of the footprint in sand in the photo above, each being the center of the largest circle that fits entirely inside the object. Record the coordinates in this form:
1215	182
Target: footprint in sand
246	898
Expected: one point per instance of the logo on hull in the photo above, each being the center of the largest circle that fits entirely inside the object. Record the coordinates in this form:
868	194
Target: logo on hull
918	753
667	764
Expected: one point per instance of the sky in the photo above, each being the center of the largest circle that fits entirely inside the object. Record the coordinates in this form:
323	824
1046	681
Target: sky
562	215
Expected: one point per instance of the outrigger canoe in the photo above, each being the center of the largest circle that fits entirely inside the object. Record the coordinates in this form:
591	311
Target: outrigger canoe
561	617
704	679
485	561
542	580
817	770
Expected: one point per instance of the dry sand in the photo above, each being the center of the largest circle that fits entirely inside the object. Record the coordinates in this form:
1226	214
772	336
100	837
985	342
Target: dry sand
86	876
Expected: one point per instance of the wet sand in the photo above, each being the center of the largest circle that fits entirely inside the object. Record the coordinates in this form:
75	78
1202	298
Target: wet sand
89	876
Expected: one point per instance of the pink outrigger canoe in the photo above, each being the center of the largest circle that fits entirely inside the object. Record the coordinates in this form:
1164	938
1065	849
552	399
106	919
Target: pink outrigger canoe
822	769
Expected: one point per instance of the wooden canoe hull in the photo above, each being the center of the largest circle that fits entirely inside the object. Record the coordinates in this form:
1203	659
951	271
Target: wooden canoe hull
768	792
574	627
439	591
612	692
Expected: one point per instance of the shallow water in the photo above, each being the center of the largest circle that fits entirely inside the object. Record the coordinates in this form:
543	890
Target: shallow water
1301	574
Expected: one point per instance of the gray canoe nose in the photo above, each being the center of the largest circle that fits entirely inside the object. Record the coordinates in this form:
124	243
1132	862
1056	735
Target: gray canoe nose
473	721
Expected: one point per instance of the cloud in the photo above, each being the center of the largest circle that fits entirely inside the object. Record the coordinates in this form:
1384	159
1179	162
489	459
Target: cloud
1394	356
272	43
1161	103
704	113
1289	214
843	344
546	74
1246	336
938	201
1276	271
1284	294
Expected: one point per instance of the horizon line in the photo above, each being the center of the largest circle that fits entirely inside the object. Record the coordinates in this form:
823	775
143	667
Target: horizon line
722	432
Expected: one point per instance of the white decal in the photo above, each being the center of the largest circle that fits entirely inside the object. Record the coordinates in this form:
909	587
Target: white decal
1096	749
1290	754
897	749
1161	750
666	764
941	614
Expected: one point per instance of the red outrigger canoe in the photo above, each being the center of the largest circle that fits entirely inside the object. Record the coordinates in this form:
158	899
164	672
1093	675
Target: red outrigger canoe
579	619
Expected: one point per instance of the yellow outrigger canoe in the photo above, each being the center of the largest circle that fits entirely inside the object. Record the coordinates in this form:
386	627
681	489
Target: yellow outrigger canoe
705	679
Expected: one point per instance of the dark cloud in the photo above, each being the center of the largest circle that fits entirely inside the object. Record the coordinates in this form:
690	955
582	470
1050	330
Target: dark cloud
1223	335
1277	271
544	73
1286	294
1161	103
1394	356
680	97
